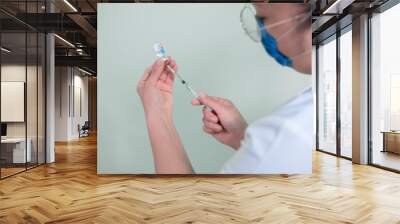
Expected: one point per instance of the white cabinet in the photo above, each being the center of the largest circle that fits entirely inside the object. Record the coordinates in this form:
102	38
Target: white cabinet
18	149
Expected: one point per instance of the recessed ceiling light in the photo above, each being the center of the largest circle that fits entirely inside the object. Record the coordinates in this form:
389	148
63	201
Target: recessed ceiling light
70	5
337	7
84	71
5	50
65	41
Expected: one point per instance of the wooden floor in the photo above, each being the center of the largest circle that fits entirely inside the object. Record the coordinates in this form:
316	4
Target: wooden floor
5	172
70	191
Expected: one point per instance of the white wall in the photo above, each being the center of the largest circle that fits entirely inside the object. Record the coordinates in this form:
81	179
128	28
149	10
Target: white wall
12	101
80	83
68	81
62	81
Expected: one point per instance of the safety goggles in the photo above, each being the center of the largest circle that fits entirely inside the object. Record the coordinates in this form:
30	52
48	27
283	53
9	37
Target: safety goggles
250	26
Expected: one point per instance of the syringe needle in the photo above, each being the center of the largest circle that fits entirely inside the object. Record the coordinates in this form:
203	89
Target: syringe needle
161	53
191	90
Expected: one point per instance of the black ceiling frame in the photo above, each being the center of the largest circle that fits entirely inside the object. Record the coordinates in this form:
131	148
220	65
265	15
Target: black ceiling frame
207	1
385	6
17	20
341	21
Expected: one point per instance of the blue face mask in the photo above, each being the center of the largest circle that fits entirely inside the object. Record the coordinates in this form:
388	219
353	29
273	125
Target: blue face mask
271	46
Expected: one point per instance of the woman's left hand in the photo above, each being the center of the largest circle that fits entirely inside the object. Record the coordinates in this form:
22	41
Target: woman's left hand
155	88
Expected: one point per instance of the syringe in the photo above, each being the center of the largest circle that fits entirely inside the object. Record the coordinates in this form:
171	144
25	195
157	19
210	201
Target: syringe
161	53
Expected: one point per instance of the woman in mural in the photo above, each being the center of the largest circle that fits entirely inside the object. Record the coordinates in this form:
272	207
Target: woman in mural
279	143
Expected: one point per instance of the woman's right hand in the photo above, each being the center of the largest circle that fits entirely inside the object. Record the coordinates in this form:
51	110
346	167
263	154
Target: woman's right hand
224	122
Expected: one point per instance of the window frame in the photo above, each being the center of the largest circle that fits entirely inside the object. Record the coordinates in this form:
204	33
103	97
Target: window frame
334	37
381	9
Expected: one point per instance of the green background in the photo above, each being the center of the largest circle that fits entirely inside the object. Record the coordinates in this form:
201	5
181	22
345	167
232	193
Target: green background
213	54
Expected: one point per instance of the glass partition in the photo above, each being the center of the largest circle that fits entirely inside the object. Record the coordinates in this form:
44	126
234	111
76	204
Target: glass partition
22	89
327	96
385	89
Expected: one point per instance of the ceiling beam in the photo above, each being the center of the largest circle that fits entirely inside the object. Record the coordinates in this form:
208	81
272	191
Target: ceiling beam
49	22
84	24
337	7
83	61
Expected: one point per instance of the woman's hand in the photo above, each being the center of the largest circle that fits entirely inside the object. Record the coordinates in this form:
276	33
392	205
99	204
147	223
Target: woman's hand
155	91
155	88
225	123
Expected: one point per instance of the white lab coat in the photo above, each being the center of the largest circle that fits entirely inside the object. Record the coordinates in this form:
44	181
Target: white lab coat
280	143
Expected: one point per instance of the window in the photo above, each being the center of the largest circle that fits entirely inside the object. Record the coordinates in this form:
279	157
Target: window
346	93
22	77
385	89
327	96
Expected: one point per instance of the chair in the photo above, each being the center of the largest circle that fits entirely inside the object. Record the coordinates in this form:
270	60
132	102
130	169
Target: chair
84	130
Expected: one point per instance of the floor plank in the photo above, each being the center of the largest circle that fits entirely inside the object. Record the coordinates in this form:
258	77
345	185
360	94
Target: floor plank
70	191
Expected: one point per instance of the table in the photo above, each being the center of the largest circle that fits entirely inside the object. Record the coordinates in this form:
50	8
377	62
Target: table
391	141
